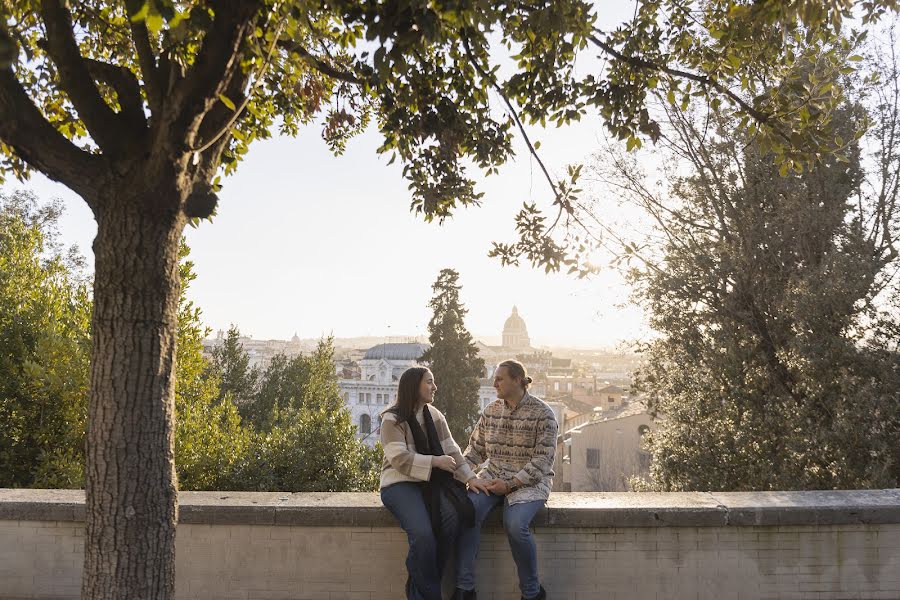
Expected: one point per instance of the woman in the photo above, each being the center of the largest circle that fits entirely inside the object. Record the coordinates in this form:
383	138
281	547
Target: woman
417	481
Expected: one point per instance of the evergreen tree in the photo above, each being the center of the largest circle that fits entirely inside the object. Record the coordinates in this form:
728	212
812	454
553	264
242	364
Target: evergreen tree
230	363
453	358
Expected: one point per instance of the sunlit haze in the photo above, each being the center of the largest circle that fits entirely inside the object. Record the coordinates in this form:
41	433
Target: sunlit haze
310	243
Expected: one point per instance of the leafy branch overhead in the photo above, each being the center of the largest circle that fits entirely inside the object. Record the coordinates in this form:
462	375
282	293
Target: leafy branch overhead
95	90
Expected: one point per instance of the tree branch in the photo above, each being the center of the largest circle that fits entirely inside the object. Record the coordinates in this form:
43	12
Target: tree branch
217	61
320	65
127	88
76	80
147	59
705	80
38	143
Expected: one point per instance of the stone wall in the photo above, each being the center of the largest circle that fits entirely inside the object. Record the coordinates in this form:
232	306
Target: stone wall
784	545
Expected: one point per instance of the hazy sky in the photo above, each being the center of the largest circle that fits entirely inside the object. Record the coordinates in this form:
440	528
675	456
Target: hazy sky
311	243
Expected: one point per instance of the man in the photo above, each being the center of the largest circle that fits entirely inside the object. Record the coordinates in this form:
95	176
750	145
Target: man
516	435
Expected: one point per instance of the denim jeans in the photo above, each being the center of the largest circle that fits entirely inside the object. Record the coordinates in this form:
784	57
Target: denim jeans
427	554
517	523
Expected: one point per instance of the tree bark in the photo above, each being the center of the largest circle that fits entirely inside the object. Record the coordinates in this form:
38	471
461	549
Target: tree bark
131	486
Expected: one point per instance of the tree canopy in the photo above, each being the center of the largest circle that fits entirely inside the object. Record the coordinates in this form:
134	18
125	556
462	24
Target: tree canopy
771	370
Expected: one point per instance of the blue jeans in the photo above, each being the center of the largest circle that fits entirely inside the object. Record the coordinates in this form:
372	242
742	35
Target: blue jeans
517	523
427	554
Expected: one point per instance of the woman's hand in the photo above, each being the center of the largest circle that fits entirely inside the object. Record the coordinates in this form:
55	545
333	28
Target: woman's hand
476	484
447	463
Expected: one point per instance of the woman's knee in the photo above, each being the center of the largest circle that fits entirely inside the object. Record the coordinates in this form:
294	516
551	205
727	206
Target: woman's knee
421	536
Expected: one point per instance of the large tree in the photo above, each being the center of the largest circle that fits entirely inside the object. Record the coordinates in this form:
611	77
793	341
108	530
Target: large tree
139	105
453	357
768	372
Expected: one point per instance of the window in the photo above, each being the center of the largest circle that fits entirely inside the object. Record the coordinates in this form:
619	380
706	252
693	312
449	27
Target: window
360	398
368	398
365	424
347	397
593	458
377	398
612	400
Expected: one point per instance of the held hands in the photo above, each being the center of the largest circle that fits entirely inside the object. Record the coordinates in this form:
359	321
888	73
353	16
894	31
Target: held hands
498	487
446	463
478	485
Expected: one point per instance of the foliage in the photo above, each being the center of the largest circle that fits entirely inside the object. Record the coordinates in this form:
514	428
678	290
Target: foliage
209	436
453	357
237	379
762	289
45	337
216	78
44	321
304	436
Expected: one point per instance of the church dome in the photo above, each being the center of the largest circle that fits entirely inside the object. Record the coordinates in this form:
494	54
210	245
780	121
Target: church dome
405	351
515	333
515	323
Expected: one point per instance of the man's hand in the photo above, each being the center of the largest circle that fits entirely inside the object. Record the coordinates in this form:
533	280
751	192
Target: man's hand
447	463
500	487
478	485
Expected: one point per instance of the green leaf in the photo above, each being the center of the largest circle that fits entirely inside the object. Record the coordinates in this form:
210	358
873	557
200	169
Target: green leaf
154	22
227	102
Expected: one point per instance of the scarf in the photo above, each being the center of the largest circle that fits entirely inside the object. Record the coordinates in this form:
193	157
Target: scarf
441	482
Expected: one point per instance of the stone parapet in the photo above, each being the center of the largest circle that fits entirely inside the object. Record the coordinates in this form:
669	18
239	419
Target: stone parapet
564	509
615	546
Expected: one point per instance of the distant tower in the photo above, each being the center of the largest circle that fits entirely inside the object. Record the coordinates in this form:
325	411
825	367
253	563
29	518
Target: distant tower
295	339
515	333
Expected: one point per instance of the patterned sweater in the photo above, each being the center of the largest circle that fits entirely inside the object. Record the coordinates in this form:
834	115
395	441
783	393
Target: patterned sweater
403	463
518	442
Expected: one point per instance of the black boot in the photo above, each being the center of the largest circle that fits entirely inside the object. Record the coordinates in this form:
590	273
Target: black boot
461	594
542	595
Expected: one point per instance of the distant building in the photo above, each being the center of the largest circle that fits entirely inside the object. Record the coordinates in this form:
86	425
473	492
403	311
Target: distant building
601	451
515	333
376	386
260	352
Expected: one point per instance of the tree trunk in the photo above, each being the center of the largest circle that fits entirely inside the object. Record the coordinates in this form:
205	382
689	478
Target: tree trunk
130	470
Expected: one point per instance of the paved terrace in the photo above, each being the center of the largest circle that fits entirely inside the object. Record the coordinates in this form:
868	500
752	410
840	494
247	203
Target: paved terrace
329	546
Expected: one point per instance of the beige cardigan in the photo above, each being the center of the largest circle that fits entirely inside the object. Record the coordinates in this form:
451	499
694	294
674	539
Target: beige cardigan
403	463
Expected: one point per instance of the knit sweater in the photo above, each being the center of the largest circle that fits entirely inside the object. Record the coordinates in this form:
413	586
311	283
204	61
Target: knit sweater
403	463
516	442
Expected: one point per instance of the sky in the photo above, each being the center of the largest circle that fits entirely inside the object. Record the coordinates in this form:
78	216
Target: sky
305	242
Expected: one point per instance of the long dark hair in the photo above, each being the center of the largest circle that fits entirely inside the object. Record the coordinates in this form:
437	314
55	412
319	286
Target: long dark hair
408	393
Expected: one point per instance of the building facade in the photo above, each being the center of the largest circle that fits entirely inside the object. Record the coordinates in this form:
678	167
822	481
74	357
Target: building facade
376	388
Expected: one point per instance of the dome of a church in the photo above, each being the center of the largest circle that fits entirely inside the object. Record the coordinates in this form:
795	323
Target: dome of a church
515	333
515	323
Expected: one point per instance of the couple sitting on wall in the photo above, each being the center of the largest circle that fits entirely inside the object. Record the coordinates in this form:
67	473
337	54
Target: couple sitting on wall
433	491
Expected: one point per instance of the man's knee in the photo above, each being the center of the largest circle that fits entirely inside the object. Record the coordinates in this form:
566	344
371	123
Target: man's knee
516	527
